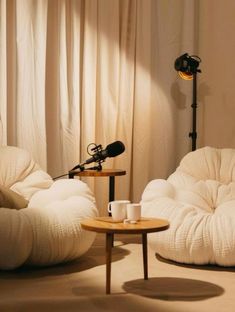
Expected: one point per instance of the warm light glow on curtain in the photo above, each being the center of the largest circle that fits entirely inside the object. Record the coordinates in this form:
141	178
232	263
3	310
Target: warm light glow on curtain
76	72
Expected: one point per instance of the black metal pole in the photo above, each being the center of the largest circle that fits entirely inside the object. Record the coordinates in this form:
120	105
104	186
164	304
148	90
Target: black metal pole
193	134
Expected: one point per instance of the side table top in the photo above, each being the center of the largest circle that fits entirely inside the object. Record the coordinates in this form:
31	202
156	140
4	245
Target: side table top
106	225
101	173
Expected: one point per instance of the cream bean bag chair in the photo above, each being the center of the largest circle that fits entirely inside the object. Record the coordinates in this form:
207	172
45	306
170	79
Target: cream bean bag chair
40	218
199	201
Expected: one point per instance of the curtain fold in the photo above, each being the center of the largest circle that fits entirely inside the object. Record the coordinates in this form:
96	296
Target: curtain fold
75	72
30	43
63	85
3	73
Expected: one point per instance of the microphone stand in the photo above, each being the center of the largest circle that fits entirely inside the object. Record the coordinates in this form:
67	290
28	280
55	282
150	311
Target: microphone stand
73	172
98	168
193	134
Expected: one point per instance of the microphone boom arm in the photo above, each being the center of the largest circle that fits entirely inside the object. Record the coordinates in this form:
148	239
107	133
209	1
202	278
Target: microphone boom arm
99	155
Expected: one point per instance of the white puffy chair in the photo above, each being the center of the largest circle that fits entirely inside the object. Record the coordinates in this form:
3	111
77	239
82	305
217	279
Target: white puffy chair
40	218
199	201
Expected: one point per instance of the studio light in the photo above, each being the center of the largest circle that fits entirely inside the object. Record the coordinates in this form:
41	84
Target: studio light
187	67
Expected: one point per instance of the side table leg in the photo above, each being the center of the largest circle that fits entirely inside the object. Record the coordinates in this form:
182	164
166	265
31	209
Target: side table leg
109	244
111	188
145	255
111	192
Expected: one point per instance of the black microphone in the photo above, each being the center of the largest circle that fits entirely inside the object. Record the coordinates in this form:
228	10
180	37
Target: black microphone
114	149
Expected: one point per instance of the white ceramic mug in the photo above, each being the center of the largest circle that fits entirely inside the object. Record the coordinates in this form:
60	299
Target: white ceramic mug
133	212
117	208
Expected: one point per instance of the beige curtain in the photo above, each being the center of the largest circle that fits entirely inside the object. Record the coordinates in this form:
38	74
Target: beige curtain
3	75
80	71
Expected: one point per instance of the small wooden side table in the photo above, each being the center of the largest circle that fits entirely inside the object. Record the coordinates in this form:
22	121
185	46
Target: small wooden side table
111	173
105	225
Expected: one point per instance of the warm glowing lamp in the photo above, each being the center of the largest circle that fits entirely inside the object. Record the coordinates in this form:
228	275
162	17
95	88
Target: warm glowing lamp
187	67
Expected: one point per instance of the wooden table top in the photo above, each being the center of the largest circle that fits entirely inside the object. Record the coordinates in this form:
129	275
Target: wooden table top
106	225
101	173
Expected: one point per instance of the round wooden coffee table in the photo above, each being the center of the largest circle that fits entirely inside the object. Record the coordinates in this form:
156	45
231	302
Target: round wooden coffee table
109	227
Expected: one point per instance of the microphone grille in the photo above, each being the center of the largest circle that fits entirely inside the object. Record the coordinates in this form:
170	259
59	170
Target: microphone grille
115	149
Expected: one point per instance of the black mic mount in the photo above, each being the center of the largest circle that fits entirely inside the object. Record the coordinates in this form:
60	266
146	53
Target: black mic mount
96	153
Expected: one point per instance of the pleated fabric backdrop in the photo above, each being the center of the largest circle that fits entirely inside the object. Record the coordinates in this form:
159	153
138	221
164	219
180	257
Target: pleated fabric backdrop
75	72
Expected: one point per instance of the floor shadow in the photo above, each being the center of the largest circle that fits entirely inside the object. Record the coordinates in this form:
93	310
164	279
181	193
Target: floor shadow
208	267
172	289
94	257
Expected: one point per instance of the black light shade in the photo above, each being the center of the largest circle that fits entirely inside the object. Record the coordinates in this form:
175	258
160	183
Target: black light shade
187	66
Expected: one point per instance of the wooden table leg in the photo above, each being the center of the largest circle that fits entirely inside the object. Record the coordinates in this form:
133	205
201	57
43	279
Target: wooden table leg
109	244
111	188
145	255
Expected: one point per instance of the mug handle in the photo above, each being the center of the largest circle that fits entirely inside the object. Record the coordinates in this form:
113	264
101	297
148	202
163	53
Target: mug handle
109	207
